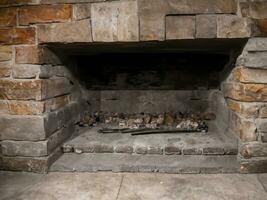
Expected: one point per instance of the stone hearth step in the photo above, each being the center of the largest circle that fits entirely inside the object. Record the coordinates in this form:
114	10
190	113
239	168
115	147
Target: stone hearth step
214	142
175	164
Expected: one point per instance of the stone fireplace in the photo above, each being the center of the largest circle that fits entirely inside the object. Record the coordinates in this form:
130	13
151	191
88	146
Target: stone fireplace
69	67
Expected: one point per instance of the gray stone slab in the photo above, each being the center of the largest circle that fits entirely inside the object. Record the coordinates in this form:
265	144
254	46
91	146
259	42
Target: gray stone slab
59	186
214	142
92	162
263	180
193	187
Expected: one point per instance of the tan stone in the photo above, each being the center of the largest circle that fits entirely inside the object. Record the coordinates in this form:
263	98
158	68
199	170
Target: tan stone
255	10
254	149
33	89
263	112
261	27
17	35
23	71
152	27
35	55
247	130
17	2
81	11
14	107
5	69
246	92
247	110
249	75
5	53
232	26
115	21
8	17
206	26
68	32
180	27
44	13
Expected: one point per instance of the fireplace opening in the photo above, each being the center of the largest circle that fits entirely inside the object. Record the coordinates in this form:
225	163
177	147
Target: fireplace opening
153	98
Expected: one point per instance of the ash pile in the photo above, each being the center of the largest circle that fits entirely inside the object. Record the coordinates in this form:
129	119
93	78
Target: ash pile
146	123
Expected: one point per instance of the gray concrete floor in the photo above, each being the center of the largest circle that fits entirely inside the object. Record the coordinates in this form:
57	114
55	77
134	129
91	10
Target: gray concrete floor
135	186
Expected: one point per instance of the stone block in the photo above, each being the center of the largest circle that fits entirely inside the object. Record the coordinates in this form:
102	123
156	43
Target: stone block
152	27
206	26
68	32
256	44
180	27
213	151
154	150
31	164
103	148
255	165
263	111
35	128
44	13
69	1
33	89
232	26
192	151
25	71
81	11
115	21
5	53
246	92
17	2
39	148
172	149
263	137
244	109
261	27
5	69
253	60
36	55
247	130
141	149
262	125
249	75
8	17
254	149
124	149
15	107
150	7
17	35
255	9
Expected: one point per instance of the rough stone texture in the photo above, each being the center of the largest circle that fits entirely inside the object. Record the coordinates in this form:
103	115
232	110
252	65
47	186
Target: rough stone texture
35	55
5	53
180	27
115	21
172	150
14	107
25	71
249	75
8	17
254	149
253	60
40	148
35	128
264	137
81	11
256	44
247	110
69	1
17	35
261	27
246	92
34	89
255	9
247	130
263	111
145	163
30	164
17	2
262	125
5	69
44	14
206	26
68	32
152	27
231	26
254	165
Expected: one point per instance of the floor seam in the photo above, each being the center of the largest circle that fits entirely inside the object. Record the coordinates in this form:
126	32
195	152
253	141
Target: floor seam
120	187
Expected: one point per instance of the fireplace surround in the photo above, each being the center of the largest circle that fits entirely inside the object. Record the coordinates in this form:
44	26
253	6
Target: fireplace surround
63	59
